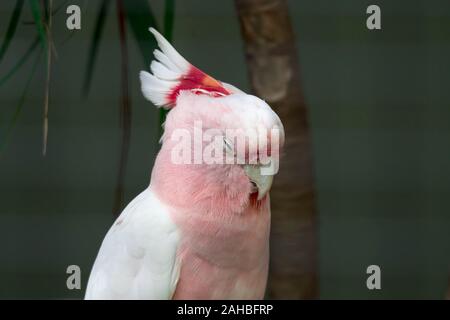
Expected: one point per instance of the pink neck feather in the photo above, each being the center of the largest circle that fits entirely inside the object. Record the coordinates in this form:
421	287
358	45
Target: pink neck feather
216	189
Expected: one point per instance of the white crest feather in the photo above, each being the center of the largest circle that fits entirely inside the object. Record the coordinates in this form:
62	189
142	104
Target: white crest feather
167	69
170	51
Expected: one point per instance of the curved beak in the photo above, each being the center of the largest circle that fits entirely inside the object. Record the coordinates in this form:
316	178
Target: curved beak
262	182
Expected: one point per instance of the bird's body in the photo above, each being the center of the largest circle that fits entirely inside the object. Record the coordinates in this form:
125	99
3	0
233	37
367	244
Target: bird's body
137	259
200	231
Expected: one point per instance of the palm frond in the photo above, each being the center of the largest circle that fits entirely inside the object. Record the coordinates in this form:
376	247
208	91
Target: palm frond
14	21
140	17
169	15
98	31
39	22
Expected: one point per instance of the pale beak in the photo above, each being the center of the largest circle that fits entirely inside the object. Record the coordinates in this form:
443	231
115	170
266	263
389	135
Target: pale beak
262	182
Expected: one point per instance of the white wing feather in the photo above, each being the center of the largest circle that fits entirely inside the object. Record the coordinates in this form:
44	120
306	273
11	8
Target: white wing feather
137	259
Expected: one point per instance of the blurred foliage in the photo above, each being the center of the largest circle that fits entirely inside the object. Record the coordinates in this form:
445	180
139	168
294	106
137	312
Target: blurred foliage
42	13
137	14
11	27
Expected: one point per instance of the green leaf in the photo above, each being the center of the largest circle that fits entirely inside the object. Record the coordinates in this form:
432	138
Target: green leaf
46	9
19	106
37	16
99	24
11	27
21	62
55	11
169	19
140	18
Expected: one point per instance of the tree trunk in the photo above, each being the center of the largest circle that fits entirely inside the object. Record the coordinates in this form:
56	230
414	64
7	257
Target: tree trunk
273	68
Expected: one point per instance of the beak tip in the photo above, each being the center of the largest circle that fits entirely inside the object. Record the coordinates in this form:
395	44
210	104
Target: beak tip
263	183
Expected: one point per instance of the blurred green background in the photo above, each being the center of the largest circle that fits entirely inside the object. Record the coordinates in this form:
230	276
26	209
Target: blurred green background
379	111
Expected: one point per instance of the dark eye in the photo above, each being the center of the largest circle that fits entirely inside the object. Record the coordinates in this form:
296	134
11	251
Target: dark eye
228	145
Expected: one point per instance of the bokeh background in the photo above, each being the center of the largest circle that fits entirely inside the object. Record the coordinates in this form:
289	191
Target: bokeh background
379	106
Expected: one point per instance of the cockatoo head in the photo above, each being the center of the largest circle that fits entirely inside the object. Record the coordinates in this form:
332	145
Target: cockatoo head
217	139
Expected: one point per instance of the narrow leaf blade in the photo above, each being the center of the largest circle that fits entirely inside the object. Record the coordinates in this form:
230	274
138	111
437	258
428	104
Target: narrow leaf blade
140	18
11	27
37	16
169	21
98	31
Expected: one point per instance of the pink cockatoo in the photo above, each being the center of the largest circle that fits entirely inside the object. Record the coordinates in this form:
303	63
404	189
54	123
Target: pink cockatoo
200	230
